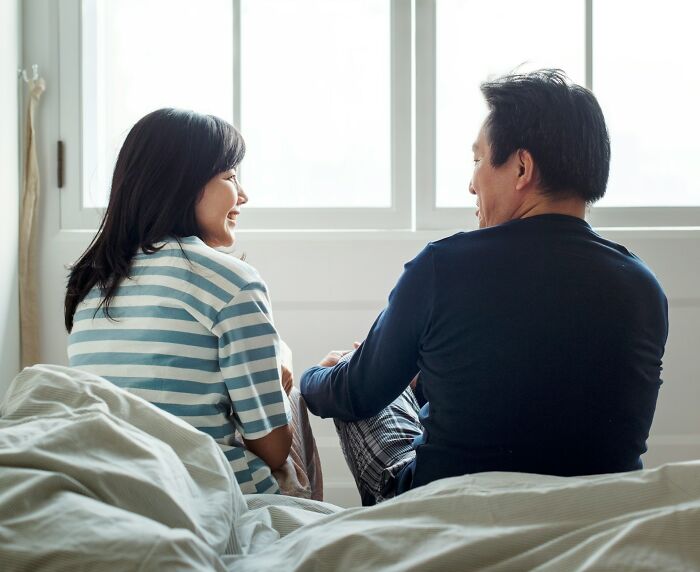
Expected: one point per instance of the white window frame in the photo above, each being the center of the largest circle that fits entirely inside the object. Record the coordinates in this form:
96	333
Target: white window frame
74	216
413	145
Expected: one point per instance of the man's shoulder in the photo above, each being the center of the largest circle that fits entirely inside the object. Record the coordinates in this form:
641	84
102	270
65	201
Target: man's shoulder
642	274
626	260
467	240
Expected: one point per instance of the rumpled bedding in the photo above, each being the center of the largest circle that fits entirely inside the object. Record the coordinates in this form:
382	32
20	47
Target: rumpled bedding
94	478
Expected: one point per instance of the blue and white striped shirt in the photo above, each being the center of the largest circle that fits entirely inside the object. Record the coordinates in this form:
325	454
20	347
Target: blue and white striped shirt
193	334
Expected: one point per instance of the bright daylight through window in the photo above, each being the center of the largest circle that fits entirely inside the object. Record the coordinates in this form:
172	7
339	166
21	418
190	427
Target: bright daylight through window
315	103
314	88
314	98
127	74
467	53
649	92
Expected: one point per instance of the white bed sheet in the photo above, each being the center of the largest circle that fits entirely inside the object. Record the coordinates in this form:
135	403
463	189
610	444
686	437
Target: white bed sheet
94	478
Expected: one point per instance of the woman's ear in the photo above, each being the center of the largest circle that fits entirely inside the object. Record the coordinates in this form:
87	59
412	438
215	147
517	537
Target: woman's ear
526	169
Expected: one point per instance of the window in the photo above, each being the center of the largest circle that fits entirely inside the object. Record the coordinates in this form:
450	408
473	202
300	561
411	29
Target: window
125	74
456	51
649	94
467	53
320	91
361	113
316	103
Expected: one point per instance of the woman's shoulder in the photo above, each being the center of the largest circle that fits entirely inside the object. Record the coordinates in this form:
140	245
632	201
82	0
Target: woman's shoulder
225	265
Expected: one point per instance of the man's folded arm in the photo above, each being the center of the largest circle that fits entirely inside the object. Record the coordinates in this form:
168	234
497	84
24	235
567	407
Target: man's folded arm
384	364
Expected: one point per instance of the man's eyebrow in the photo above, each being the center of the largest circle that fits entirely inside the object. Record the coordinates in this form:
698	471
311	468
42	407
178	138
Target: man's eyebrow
474	147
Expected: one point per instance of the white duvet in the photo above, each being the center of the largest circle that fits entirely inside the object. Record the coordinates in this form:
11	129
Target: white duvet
93	478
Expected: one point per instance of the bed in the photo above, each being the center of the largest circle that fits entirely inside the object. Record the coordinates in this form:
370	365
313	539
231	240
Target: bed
94	478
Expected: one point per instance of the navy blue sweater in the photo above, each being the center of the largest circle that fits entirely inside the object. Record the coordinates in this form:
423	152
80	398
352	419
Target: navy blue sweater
539	345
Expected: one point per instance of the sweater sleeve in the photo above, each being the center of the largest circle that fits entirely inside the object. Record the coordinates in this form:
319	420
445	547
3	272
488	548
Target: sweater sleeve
382	367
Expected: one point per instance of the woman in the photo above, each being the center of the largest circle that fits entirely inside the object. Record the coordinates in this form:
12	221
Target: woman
155	309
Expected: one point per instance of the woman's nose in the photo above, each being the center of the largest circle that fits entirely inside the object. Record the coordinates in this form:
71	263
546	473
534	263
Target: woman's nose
242	197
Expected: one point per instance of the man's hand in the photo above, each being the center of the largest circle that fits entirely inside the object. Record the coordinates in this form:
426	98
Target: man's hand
334	356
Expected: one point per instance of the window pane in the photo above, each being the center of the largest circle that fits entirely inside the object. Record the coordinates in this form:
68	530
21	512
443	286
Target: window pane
479	40
315	102
649	91
141	55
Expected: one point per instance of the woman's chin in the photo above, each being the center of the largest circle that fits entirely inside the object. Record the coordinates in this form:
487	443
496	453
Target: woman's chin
223	241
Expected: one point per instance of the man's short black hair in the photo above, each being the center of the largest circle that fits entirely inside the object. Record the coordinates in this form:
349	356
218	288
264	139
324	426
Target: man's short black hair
559	123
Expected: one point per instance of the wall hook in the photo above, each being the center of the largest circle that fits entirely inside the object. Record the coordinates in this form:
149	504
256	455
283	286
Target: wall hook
35	74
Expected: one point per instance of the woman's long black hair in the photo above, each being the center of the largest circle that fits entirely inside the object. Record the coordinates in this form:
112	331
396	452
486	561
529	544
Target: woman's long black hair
166	160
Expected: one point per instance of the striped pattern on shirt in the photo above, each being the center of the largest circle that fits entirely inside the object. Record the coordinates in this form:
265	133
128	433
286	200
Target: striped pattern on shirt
192	332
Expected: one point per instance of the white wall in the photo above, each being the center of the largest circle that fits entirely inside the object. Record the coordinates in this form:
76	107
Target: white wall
9	191
328	287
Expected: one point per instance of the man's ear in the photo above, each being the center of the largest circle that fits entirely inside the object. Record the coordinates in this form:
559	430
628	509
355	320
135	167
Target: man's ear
526	169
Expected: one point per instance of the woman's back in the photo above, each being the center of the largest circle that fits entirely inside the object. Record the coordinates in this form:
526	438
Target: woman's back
191	331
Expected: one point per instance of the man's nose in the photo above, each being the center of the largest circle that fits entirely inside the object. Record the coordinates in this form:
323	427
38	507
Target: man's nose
471	188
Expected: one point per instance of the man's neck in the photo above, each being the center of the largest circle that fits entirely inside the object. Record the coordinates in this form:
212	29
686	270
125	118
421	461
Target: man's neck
545	205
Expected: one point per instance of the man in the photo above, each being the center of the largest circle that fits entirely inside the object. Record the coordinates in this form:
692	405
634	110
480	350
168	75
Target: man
538	342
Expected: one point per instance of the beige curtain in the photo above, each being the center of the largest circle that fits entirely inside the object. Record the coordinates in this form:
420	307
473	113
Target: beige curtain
28	298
